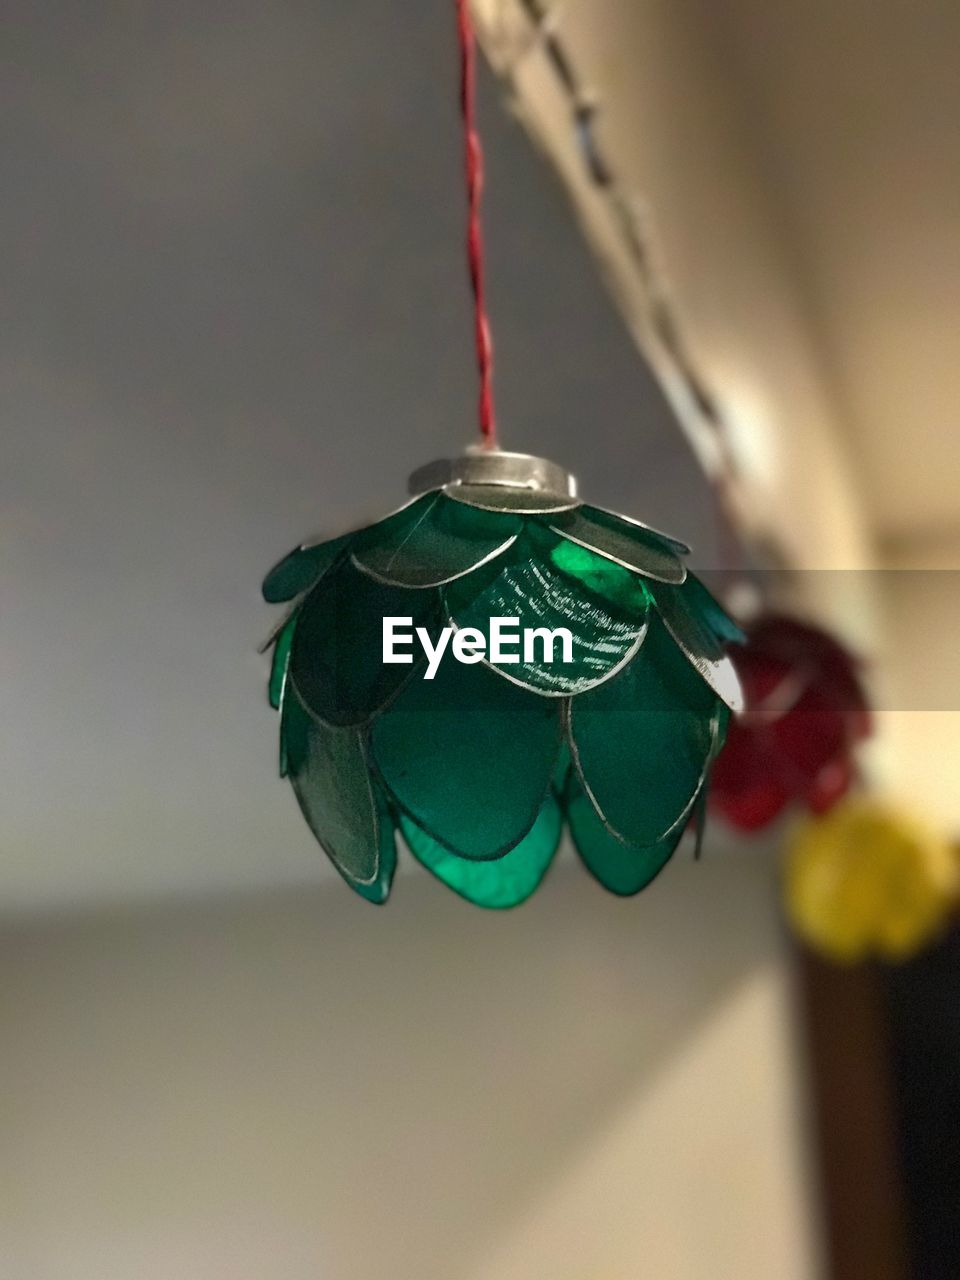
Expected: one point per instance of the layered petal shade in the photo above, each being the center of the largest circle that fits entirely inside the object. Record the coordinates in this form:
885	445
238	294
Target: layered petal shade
481	766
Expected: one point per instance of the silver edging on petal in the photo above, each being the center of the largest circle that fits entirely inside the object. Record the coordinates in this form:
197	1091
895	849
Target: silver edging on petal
369	718
678	545
325	844
343	542
385	580
719	673
361	528
700	821
406	811
274	633
393	566
563	693
629	849
685	812
428	829
621	556
551	806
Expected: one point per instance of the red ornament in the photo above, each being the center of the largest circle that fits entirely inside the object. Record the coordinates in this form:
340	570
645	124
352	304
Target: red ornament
806	710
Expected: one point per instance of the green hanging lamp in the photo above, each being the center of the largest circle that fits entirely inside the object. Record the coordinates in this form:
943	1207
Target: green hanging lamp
478	764
492	662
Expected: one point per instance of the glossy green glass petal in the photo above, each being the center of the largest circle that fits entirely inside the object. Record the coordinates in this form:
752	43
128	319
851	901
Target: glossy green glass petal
631	526
280	661
302	569
711	612
632	546
561	770
699	643
621	589
504	883
642	742
433	542
279	667
469	756
339	799
336	660
622	868
530	590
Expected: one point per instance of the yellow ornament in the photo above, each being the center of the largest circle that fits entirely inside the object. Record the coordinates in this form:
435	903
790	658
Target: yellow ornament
868	880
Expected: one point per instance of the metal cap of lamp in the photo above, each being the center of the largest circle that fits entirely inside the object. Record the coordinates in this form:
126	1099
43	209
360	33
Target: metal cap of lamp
497	480
479	768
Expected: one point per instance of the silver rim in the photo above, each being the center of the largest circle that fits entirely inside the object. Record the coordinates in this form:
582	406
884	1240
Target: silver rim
495	467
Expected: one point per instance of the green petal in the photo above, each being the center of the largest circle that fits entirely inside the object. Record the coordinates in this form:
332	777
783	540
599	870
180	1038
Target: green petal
642	742
618	587
302	569
433	542
336	661
504	883
339	799
280	661
279	668
527	588
305	565
631	526
622	868
631	545
699	642
711	612
561	770
468	756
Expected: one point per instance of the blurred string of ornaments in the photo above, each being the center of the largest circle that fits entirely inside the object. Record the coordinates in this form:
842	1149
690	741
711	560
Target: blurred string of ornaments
862	879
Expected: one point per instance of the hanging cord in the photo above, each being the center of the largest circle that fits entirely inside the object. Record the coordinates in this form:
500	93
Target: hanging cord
474	173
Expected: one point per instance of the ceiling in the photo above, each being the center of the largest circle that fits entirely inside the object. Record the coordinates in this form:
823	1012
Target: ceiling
854	108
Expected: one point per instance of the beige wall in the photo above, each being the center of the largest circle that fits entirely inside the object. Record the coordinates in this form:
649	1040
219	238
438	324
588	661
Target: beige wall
313	1089
672	121
920	722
